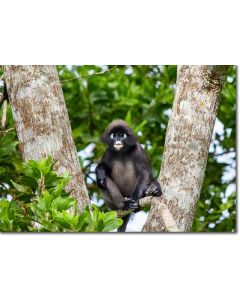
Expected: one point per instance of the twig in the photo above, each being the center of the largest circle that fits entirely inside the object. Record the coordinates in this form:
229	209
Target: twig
4	114
4	95
89	75
6	131
224	152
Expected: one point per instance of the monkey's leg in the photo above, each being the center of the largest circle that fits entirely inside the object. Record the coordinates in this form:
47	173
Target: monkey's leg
154	189
139	191
113	194
115	200
123	227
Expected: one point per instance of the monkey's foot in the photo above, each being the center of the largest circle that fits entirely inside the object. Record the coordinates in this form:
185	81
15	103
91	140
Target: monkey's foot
131	204
153	191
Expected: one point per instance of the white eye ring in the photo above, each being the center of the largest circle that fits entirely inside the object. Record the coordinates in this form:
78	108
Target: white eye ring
124	135
112	136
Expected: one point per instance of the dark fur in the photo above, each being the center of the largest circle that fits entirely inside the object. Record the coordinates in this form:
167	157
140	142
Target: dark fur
125	176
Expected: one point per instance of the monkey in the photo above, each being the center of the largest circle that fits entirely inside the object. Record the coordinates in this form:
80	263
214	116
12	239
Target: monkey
124	174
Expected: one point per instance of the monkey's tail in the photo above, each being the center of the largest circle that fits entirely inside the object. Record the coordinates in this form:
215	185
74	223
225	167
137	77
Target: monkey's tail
123	227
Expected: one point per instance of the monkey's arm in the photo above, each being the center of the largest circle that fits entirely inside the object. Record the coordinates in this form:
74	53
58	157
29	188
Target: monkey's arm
102	170
139	191
112	195
101	173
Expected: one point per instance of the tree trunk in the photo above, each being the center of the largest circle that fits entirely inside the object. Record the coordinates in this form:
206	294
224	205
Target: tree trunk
42	122
187	142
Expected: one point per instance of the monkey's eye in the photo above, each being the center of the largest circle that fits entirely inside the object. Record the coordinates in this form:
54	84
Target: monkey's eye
113	135
124	135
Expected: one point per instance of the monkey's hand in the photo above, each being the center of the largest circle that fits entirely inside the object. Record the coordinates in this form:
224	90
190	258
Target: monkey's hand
101	182
131	204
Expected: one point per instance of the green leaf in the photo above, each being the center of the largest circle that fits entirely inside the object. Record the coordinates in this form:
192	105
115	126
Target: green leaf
28	181
112	225
60	203
2	170
7	144
31	169
82	220
64	219
21	188
44	165
128	117
108	216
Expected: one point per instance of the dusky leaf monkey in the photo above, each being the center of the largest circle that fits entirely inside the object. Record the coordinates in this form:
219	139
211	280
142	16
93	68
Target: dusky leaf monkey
124	173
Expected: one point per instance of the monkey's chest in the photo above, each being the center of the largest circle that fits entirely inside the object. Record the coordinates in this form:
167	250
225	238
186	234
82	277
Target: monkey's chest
124	175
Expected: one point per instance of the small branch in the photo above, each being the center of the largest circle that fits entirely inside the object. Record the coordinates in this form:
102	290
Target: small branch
89	75
6	131
224	152
4	95
4	114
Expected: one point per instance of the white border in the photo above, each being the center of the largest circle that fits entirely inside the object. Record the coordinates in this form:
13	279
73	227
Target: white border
110	266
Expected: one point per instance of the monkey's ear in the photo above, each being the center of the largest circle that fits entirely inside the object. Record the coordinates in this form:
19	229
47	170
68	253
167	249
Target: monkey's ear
105	138
132	139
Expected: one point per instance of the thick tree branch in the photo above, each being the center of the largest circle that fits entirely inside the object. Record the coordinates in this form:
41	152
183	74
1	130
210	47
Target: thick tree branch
159	209
187	143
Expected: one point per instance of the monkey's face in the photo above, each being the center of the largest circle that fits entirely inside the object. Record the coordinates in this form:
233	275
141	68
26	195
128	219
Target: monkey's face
118	139
119	136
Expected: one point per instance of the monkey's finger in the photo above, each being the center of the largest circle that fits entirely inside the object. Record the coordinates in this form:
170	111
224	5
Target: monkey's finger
128	204
132	206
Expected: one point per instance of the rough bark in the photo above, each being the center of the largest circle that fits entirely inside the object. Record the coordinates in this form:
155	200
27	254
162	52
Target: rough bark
187	142
42	122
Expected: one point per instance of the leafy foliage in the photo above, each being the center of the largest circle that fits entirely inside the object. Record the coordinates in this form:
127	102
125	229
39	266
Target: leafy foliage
143	96
42	205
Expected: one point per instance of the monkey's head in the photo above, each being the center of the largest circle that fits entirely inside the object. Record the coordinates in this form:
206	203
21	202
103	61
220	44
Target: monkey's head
119	136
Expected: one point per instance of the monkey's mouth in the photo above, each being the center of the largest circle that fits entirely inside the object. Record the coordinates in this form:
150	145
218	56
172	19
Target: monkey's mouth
118	145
